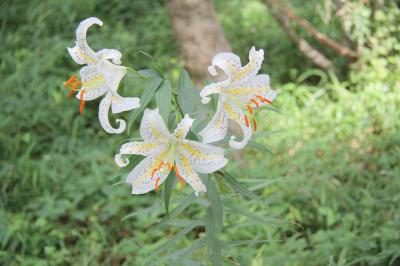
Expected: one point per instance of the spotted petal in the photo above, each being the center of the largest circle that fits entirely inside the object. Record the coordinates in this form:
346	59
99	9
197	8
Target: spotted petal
152	127
208	90
251	69
251	89
203	157
143	178
103	116
187	172
237	115
218	126
228	62
112	73
183	127
140	148
111	54
82	53
121	104
93	83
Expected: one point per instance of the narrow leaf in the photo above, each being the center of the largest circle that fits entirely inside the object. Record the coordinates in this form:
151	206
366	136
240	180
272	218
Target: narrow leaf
169	184
239	187
145	98
188	96
163	99
258	146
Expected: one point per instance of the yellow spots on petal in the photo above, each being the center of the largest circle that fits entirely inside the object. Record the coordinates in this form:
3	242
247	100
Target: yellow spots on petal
232	114
194	152
242	72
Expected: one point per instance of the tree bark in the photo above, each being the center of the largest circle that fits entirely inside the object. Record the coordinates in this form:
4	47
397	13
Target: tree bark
310	52
198	33
319	36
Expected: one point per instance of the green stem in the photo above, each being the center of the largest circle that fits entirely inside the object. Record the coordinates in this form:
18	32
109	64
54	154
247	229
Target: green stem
175	100
136	73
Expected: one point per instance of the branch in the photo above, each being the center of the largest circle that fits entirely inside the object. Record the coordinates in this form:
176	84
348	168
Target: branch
310	52
320	37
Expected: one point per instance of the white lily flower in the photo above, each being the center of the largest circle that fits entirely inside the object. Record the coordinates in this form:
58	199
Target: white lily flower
242	91
99	77
165	151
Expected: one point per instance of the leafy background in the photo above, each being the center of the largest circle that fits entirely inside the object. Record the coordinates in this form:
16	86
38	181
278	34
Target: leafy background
328	195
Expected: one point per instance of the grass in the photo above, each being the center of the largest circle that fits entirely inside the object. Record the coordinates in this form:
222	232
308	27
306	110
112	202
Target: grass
329	192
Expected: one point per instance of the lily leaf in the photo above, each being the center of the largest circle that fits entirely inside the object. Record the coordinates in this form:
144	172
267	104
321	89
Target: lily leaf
163	99
145	98
188	97
239	187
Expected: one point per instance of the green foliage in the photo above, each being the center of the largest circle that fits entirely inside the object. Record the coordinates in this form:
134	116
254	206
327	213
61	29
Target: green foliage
328	195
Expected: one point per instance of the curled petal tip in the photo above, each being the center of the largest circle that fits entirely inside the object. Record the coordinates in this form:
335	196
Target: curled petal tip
213	72
121	162
205	100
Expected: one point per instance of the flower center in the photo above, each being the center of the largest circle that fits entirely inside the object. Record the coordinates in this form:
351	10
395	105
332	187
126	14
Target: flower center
166	165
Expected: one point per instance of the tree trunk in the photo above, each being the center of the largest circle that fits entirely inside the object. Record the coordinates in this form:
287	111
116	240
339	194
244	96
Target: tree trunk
319	36
198	33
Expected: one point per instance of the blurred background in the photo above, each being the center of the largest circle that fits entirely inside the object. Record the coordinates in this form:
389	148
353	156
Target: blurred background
328	171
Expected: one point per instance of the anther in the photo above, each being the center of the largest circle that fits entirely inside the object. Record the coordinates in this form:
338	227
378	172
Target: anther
250	109
254	125
82	102
255	103
156	185
246	120
169	166
179	176
69	81
153	172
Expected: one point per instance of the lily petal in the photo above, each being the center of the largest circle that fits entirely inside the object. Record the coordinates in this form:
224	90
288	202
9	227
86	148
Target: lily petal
112	54
217	127
251	69
121	104
250	89
189	174
103	116
183	127
142	177
208	90
152	127
113	74
144	148
81	32
203	157
237	115
93	83
228	62
80	56
140	148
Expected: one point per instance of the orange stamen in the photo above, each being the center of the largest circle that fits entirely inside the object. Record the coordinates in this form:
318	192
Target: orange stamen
160	165
157	180
261	98
70	80
254	125
268	101
246	120
71	92
255	102
153	172
169	166
179	176
250	109
82	102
